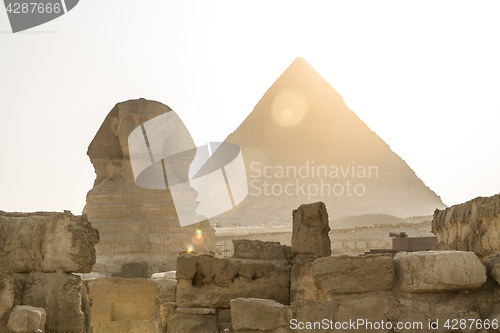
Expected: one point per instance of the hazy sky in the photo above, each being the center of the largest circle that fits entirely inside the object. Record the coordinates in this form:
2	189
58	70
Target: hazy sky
425	76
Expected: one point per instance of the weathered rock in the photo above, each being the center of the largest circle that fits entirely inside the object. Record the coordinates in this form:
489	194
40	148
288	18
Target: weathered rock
310	231
47	242
126	326
417	315
64	297
196	311
207	281
167	309
471	226
253	314
166	289
311	312
256	249
188	322
26	319
370	309
6	289
439	270
138	226
224	319
121	299
302	285
492	264
351	275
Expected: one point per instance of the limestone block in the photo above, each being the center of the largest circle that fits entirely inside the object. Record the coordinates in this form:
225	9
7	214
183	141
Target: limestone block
439	270
471	226
224	319
196	311
351	275
369	309
419	314
492	264
125	326
187	322
310	231
130	299
166	310
256	249
311	311
6	289
64	297
166	289
47	242
207	281
302	285
4	319
26	319
259	314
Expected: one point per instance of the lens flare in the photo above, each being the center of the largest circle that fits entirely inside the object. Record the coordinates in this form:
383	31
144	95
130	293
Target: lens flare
289	108
190	248
198	238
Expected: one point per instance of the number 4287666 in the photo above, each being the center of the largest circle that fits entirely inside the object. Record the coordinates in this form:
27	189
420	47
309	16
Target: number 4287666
33	7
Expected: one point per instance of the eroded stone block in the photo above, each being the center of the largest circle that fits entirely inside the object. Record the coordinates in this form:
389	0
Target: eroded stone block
431	271
207	281
63	296
310	231
47	242
352	275
259	314
26	319
256	249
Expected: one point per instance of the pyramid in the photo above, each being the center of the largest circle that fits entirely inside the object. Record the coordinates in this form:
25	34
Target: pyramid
302	144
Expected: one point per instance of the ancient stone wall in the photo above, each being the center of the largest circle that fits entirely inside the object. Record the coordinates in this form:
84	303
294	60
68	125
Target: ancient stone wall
38	253
471	226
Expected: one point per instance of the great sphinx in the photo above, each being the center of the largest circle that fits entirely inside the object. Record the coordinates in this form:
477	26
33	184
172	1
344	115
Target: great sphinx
139	226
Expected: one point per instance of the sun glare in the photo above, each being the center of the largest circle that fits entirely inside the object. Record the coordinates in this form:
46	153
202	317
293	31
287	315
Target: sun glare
289	108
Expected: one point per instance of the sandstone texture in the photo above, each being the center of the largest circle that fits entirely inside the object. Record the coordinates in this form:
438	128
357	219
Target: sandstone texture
310	231
207	281
119	302
47	242
26	319
191	322
302	285
255	315
351	275
433	271
492	264
471	226
65	298
165	289
256	249
139	228
6	289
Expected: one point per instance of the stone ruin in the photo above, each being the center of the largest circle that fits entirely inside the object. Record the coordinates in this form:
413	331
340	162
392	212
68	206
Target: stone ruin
38	254
268	287
264	287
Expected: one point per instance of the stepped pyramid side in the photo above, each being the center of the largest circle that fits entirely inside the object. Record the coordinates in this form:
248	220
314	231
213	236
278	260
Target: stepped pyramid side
301	121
